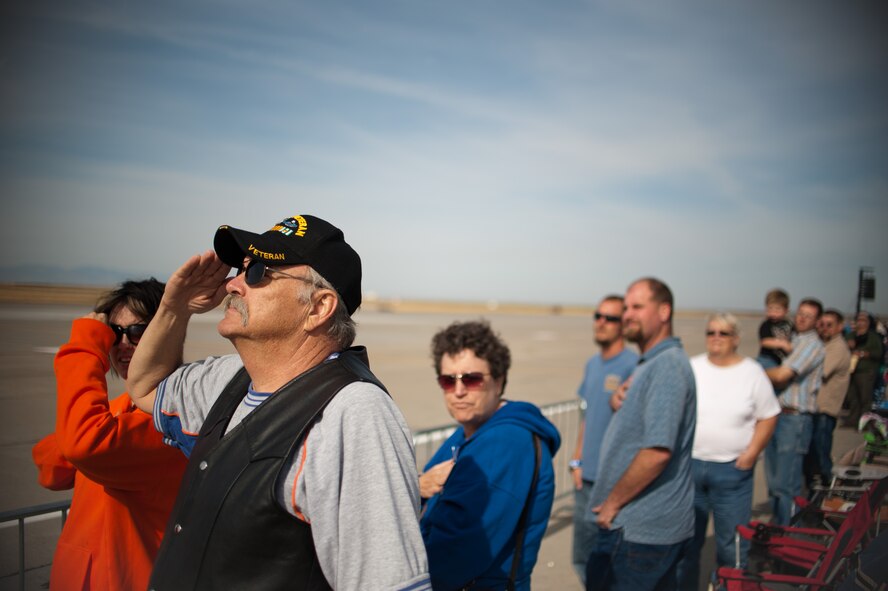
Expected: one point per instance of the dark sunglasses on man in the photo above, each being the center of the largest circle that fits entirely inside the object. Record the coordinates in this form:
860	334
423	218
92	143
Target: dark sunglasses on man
255	271
607	317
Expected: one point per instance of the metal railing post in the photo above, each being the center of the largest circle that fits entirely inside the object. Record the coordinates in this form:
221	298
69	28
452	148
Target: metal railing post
21	552
19	516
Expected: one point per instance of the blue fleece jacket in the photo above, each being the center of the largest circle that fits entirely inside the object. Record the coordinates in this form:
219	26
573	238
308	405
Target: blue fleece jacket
469	527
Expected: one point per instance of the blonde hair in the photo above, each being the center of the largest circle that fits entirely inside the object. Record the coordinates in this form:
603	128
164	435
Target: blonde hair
725	318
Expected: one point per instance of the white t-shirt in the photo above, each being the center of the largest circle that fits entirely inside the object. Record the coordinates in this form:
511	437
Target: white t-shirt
730	400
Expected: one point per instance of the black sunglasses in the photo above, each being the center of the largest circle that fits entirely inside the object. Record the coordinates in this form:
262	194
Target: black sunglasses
255	272
133	332
470	380
608	317
719	333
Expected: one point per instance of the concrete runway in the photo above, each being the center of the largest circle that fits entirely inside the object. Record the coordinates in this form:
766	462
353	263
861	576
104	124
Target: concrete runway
548	351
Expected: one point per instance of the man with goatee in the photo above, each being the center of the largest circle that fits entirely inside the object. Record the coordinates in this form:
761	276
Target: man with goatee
643	498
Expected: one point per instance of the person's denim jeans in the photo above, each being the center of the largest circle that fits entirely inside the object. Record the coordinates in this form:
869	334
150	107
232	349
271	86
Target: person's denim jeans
585	530
726	492
818	461
618	565
783	463
767	362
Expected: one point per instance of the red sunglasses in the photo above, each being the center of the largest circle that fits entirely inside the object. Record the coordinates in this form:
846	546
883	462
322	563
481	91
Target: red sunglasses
469	380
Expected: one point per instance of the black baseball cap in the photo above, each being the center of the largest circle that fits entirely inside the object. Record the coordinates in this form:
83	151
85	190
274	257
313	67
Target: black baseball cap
298	240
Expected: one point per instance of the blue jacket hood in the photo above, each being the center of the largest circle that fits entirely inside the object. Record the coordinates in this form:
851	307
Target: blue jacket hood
522	414
469	527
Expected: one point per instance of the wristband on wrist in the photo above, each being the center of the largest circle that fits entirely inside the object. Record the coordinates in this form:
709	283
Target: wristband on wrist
574	465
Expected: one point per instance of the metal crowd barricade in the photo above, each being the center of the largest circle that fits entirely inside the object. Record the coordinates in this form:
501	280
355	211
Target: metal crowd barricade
23	517
564	415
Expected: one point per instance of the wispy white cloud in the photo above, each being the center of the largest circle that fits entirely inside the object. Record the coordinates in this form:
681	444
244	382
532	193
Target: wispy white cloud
532	153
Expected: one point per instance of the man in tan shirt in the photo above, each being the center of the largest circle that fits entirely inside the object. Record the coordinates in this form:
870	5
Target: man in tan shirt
836	375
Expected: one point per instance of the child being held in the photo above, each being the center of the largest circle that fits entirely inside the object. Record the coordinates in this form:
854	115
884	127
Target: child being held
775	332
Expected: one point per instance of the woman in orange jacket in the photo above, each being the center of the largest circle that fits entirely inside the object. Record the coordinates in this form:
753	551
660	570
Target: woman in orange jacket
125	479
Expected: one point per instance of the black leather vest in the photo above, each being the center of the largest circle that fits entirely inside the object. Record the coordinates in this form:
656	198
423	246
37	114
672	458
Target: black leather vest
227	530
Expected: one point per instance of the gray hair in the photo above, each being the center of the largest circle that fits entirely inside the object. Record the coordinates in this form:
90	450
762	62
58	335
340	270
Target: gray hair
342	327
725	318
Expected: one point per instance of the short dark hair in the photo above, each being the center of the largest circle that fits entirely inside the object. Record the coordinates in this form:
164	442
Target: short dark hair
835	314
142	297
613	297
814	303
477	337
660	292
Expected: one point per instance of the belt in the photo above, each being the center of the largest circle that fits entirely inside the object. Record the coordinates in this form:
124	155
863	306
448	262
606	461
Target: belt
791	411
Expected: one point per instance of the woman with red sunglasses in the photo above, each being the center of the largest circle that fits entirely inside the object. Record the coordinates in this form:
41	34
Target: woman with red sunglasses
488	491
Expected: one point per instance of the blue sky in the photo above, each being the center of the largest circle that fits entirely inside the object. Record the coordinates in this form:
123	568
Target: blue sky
512	151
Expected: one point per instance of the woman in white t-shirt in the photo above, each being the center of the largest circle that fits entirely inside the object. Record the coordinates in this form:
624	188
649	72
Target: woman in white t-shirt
736	415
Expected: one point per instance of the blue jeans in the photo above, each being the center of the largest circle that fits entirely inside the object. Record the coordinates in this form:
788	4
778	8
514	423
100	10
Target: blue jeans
618	565
585	530
783	463
767	362
818	461
726	492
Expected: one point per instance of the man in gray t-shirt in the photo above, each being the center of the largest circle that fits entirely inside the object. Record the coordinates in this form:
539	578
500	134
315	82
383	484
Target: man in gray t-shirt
643	498
302	471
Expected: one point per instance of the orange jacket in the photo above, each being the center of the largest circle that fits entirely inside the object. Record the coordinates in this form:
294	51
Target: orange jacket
125	479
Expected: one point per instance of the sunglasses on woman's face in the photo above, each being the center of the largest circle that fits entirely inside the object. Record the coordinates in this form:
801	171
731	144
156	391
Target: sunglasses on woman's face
469	380
133	332
719	333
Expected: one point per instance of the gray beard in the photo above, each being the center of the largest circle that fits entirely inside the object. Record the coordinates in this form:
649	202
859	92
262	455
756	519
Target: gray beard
236	302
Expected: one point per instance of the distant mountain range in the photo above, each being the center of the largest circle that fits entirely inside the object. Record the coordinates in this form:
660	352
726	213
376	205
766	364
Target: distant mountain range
85	275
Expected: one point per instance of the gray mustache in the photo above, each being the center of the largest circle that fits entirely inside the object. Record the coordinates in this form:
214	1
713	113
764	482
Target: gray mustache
236	302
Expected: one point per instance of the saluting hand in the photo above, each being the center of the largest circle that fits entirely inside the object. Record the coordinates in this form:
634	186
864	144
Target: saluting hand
198	285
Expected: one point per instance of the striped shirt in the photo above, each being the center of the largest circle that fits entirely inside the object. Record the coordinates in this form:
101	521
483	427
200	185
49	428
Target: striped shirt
806	362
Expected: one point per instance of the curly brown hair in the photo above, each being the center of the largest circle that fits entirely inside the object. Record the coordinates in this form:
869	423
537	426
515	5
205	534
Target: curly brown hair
477	337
